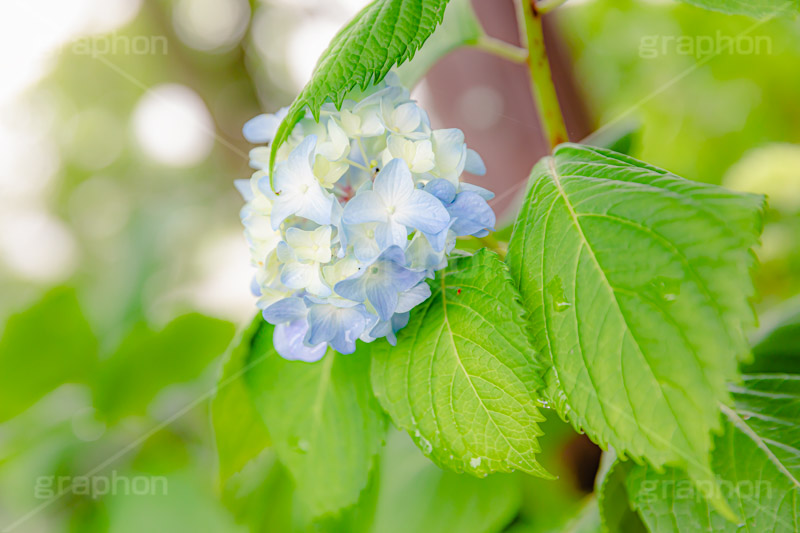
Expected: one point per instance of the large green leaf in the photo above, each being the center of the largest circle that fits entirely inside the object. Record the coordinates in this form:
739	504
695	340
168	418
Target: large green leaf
239	431
45	346
461	377
757	458
752	8
325	425
262	496
383	34
638	285
416	495
149	360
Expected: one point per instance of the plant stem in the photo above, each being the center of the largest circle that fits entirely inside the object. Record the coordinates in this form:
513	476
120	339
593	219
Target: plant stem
357	165
502	49
542	87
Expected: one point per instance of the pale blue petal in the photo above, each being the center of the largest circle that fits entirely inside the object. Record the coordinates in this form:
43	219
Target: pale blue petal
383	297
486	194
288	341
388	328
472	214
366	250
424	212
392	233
420	254
394	183
300	160
317	205
322	324
284	207
394	254
439	240
353	325
297	275
286	310
352	288
265	187
382	329
284	252
261	129
441	189
336	220
366	206
401	278
414	296
340	327
370	321
254	287
244	188
474	164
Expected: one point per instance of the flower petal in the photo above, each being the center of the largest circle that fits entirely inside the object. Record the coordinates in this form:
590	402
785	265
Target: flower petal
366	206
401	278
352	288
394	183
338	326
245	189
288	340
475	164
300	160
414	296
261	129
486	194
285	205
391	233
471	213
441	189
451	152
383	298
316	205
297	275
424	212
286	310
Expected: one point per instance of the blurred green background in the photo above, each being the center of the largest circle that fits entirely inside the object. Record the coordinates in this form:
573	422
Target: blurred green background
124	275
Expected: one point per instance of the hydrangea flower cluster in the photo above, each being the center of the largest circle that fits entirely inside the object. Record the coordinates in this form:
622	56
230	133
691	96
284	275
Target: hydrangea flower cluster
364	206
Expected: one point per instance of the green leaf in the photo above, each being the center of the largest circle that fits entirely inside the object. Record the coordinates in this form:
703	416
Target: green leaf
326	426
757	459
383	34
616	513
149	360
262	496
638	286
45	346
752	8
587	520
460	378
460	27
416	495
776	347
239	431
